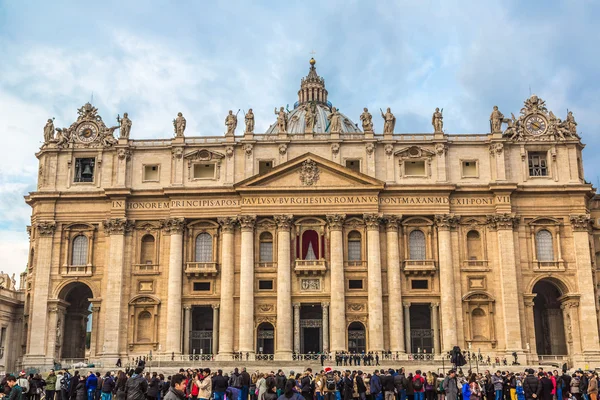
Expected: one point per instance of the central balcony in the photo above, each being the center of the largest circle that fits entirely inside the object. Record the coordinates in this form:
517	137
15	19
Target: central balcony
310	267
419	267
203	269
145	269
77	270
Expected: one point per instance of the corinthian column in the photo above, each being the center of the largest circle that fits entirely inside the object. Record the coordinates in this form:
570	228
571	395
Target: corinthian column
39	308
338	310
175	228
284	288
581	225
447	290
374	282
396	311
246	328
504	223
227	277
116	229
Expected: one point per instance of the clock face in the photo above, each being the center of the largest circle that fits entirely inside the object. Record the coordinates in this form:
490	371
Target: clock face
536	125
87	133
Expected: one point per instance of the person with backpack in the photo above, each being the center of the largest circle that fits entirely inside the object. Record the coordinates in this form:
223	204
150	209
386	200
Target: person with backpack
418	384
330	385
108	386
400	383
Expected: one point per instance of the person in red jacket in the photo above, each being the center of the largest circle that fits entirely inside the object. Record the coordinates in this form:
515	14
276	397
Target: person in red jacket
419	385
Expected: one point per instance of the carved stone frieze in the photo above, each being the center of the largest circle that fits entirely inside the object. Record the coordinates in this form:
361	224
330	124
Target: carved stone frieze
283	149
503	221
45	228
370	148
441	149
260	319
227	224
248	149
284	221
309	173
247	222
177	153
310	284
496	149
229	151
372	220
174	226
335	148
581	223
446	221
118	226
356	307
389	149
336	221
265	309
124	154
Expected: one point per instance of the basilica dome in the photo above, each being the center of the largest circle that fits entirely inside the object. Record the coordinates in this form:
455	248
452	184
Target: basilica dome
312	97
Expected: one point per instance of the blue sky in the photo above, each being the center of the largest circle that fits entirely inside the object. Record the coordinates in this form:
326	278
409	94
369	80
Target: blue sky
153	59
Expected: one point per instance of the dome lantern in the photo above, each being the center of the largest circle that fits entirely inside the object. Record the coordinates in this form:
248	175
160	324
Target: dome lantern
312	87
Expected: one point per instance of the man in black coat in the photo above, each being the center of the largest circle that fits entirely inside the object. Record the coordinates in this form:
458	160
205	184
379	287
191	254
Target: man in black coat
361	388
219	385
531	386
136	386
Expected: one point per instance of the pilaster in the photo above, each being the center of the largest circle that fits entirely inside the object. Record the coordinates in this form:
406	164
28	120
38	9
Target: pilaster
296	328
325	308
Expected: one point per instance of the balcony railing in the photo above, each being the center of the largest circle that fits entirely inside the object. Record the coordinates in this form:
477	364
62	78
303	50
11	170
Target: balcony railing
310	267
201	269
145	269
419	267
77	270
262	265
545	266
475	265
355	264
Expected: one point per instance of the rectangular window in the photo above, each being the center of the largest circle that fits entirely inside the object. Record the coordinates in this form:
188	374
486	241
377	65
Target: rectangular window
3	337
469	169
84	169
419	284
354	165
414	168
266	252
204	171
355	284
201	286
151	173
538	166
265	166
354	250
265	285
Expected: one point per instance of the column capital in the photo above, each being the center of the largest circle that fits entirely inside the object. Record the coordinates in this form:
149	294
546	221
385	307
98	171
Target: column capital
446	221
503	221
227	224
406	304
325	305
117	226
392	222
45	228
215	306
247	222
174	226
95	309
296	306
581	223
187	308
284	221
433	305
372	221
336	221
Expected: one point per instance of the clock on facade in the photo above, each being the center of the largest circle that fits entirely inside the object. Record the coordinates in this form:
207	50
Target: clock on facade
536	124
87	133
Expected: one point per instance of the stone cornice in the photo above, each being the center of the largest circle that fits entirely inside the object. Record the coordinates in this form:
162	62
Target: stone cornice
174	226
372	221
581	223
336	221
117	226
446	221
45	228
284	221
227	224
247	222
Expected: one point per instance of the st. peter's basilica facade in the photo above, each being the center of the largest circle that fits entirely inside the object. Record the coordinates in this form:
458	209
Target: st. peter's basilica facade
319	235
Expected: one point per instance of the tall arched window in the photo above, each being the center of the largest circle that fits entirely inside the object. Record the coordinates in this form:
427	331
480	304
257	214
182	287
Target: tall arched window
80	250
144	327
265	251
474	246
354	246
544	246
204	250
147	250
416	245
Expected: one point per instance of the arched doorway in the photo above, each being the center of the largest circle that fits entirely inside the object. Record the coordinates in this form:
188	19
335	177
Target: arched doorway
357	338
76	324
548	319
265	338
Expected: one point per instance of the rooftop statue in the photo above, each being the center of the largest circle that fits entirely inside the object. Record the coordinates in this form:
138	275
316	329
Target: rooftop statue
437	120
335	121
179	124
231	123
49	131
249	119
125	126
389	121
282	119
367	120
496	119
310	118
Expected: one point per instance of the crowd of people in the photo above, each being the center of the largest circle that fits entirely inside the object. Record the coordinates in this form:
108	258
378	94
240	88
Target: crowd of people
327	384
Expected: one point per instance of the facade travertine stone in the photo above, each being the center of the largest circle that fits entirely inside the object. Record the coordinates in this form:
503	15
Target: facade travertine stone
316	236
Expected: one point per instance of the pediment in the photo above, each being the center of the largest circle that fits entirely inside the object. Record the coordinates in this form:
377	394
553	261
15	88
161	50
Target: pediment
414	152
310	172
203	155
